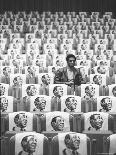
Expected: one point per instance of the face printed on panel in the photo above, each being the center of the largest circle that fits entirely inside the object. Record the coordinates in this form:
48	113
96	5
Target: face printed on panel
3	104
46	79
71	103
96	121
40	103
72	142
97	79
106	104
6	71
31	90
114	91
57	123
2	90
101	70
20	120
18	81
29	144
58	91
90	91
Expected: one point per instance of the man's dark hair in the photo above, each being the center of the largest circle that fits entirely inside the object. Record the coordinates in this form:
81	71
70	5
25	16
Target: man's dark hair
70	56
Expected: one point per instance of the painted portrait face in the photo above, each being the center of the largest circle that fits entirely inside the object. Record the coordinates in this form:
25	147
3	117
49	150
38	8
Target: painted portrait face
59	91
72	141
97	79
71	103
108	54
58	123
106	104
29	144
18	81
101	70
31	70
31	90
84	63
16	62
46	79
40	103
2	90
3	104
114	91
90	91
20	120
96	121
6	71
75	142
39	63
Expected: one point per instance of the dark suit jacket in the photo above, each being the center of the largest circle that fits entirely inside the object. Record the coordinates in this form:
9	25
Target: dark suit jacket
61	76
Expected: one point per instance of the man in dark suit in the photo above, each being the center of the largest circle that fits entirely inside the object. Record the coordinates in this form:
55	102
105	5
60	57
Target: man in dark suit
68	75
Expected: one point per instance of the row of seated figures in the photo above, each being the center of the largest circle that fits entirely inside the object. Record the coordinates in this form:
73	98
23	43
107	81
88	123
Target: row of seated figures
95	128
66	103
41	117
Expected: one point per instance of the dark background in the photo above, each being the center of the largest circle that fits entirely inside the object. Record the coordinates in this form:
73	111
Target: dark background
58	5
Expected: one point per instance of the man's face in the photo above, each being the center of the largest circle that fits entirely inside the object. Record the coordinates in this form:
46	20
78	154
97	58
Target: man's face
74	142
46	79
39	63
108	54
71	62
107	105
31	144
59	124
72	103
84	63
7	71
32	91
3	104
114	91
31	70
102	70
60	91
41	103
98	80
2	89
16	63
18	81
22	121
91	91
97	121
